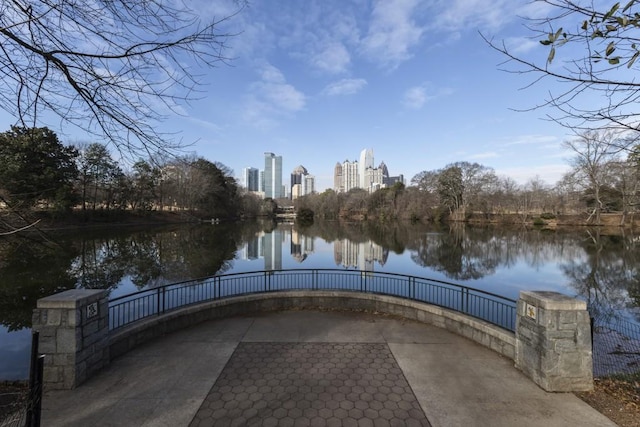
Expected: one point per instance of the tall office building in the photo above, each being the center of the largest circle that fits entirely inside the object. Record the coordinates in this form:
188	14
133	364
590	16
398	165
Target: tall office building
251	179
350	175
302	183
338	186
296	175
366	162
273	176
308	184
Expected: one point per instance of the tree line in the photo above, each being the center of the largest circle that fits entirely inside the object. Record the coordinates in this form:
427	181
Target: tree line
38	172
604	177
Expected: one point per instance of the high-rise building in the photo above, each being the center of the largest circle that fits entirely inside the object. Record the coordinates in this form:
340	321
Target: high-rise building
350	177
296	175
302	183
338	185
251	179
366	162
308	184
273	176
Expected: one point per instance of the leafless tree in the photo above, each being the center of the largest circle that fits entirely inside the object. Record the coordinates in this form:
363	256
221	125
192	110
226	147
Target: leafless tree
111	68
594	152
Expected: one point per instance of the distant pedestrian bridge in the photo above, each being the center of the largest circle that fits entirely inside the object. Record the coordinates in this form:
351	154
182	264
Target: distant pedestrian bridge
482	316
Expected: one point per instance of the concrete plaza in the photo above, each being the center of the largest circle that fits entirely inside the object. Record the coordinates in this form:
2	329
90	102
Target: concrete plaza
313	368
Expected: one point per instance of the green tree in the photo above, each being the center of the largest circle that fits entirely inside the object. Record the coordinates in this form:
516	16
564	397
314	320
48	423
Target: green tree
217	190
36	168
98	175
144	182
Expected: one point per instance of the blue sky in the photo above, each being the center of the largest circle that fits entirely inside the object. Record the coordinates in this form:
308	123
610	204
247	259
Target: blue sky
317	81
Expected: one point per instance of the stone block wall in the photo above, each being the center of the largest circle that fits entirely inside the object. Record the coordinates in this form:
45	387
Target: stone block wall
553	341
74	336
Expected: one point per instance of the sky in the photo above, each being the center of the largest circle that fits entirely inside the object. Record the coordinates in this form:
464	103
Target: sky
318	81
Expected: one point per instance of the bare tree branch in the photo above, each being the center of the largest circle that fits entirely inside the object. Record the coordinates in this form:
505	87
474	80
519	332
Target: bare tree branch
594	52
111	68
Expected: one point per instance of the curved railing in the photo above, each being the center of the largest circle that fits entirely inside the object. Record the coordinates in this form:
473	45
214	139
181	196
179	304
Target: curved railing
483	305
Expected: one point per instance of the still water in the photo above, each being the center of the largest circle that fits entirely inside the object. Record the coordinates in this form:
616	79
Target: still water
600	266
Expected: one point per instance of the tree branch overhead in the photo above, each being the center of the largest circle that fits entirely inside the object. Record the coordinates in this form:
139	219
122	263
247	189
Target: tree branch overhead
111	68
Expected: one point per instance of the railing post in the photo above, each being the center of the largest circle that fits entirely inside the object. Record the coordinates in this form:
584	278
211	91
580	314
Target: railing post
164	293
468	310
553	341
36	394
74	332
32	376
314	284
158	301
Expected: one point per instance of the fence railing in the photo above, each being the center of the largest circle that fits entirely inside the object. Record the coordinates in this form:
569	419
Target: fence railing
487	306
22	408
616	348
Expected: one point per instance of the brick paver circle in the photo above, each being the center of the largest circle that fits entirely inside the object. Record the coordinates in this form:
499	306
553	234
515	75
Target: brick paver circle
310	384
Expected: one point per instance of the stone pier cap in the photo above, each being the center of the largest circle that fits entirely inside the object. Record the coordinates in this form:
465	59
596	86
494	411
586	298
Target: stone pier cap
72	298
552	300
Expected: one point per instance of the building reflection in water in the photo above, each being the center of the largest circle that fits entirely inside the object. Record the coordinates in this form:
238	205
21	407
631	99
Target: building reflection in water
359	255
301	246
269	247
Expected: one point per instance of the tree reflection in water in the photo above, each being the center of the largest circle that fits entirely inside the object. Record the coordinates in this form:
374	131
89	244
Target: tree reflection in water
602	266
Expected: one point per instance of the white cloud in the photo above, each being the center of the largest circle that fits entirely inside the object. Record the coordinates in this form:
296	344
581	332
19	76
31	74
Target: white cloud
345	87
454	15
416	96
545	140
334	58
275	91
521	45
485	155
392	32
272	98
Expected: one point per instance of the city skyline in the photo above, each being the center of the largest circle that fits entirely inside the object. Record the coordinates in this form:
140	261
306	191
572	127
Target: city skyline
415	81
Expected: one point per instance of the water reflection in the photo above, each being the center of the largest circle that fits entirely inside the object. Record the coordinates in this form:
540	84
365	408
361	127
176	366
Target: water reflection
607	274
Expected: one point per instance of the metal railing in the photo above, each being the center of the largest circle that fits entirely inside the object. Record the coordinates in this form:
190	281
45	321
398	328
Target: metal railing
24	406
487	306
616	348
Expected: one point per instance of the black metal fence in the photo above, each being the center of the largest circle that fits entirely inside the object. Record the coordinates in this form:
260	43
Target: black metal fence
21	407
490	307
616	348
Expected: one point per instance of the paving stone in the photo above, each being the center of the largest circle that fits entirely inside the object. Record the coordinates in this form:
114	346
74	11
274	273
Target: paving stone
311	384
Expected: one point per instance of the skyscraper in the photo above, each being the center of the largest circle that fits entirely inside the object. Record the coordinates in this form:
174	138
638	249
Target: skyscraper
273	176
349	175
296	180
366	161
251	179
338	186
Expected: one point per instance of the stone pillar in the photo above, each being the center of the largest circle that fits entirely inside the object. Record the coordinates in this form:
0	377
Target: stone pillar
553	341
74	334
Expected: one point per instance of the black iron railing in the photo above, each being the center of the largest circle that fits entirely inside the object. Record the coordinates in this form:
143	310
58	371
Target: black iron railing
490	307
616	348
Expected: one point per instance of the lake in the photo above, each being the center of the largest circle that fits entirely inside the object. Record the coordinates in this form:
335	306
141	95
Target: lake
600	266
